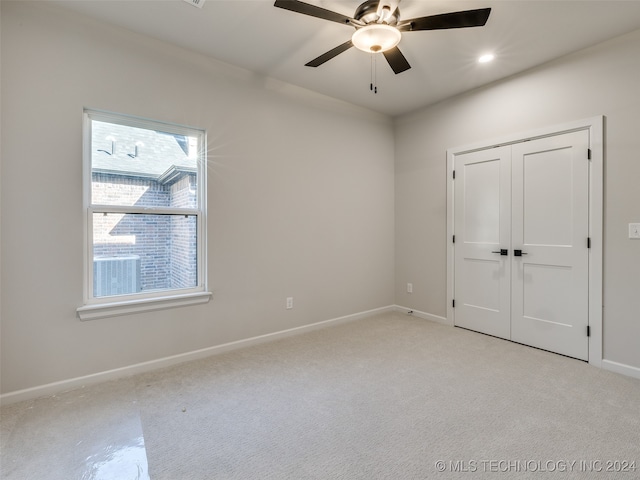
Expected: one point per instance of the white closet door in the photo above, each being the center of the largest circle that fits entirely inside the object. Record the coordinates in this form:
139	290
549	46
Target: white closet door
550	225
482	228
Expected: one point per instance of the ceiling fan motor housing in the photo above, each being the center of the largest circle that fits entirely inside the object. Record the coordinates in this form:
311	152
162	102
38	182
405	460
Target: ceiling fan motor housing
367	13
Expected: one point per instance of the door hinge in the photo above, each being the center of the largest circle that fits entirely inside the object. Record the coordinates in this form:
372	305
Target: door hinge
453	303
588	242
454	239
454	174
588	331
588	154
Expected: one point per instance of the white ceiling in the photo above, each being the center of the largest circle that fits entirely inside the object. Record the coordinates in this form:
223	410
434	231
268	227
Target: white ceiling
255	35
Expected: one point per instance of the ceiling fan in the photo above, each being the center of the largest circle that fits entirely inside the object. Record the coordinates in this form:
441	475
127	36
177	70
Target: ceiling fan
379	27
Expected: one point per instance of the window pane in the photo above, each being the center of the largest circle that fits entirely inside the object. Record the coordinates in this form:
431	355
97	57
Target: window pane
133	166
136	253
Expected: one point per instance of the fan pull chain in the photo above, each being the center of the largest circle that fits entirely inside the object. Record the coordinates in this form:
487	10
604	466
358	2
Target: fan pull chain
373	86
375	73
371	72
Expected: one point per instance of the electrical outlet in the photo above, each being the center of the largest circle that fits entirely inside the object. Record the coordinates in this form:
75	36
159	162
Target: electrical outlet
634	230
409	287
289	303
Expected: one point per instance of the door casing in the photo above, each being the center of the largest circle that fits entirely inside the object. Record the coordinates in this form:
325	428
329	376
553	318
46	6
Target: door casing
595	127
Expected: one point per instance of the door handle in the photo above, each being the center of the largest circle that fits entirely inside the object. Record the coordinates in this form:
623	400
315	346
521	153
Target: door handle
518	253
502	251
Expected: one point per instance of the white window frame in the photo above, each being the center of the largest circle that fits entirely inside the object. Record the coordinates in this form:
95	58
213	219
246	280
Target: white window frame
109	306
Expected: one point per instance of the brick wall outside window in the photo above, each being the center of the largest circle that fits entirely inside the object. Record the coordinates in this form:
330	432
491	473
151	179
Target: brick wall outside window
183	235
165	244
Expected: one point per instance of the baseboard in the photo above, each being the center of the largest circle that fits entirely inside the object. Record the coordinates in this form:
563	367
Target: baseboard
622	368
78	382
610	365
423	315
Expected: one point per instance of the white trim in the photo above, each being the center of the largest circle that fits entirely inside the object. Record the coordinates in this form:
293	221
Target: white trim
192	212
596	198
621	368
141	122
449	240
586	123
424	315
87	288
596	233
114	309
66	385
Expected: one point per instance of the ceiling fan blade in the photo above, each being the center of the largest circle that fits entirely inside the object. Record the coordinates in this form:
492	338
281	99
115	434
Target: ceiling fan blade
396	60
325	57
468	18
312	10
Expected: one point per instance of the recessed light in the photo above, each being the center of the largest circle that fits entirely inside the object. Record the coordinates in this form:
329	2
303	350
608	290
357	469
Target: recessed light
486	58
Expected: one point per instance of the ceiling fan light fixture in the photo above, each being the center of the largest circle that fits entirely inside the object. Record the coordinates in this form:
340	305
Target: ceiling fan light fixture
376	38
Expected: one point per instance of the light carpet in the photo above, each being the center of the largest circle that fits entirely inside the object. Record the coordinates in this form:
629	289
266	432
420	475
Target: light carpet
389	397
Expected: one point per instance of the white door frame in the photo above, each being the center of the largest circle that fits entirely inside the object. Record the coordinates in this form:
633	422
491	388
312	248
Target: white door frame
595	126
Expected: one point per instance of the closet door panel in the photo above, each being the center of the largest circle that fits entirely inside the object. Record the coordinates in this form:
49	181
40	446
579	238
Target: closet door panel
482	226
550	225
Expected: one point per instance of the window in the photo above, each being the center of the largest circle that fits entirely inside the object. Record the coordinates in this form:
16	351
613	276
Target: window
144	189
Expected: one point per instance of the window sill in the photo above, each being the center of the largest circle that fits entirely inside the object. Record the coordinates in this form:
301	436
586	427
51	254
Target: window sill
104	310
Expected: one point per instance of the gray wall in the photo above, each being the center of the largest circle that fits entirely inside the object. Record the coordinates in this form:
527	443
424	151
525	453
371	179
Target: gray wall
296	207
602	80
